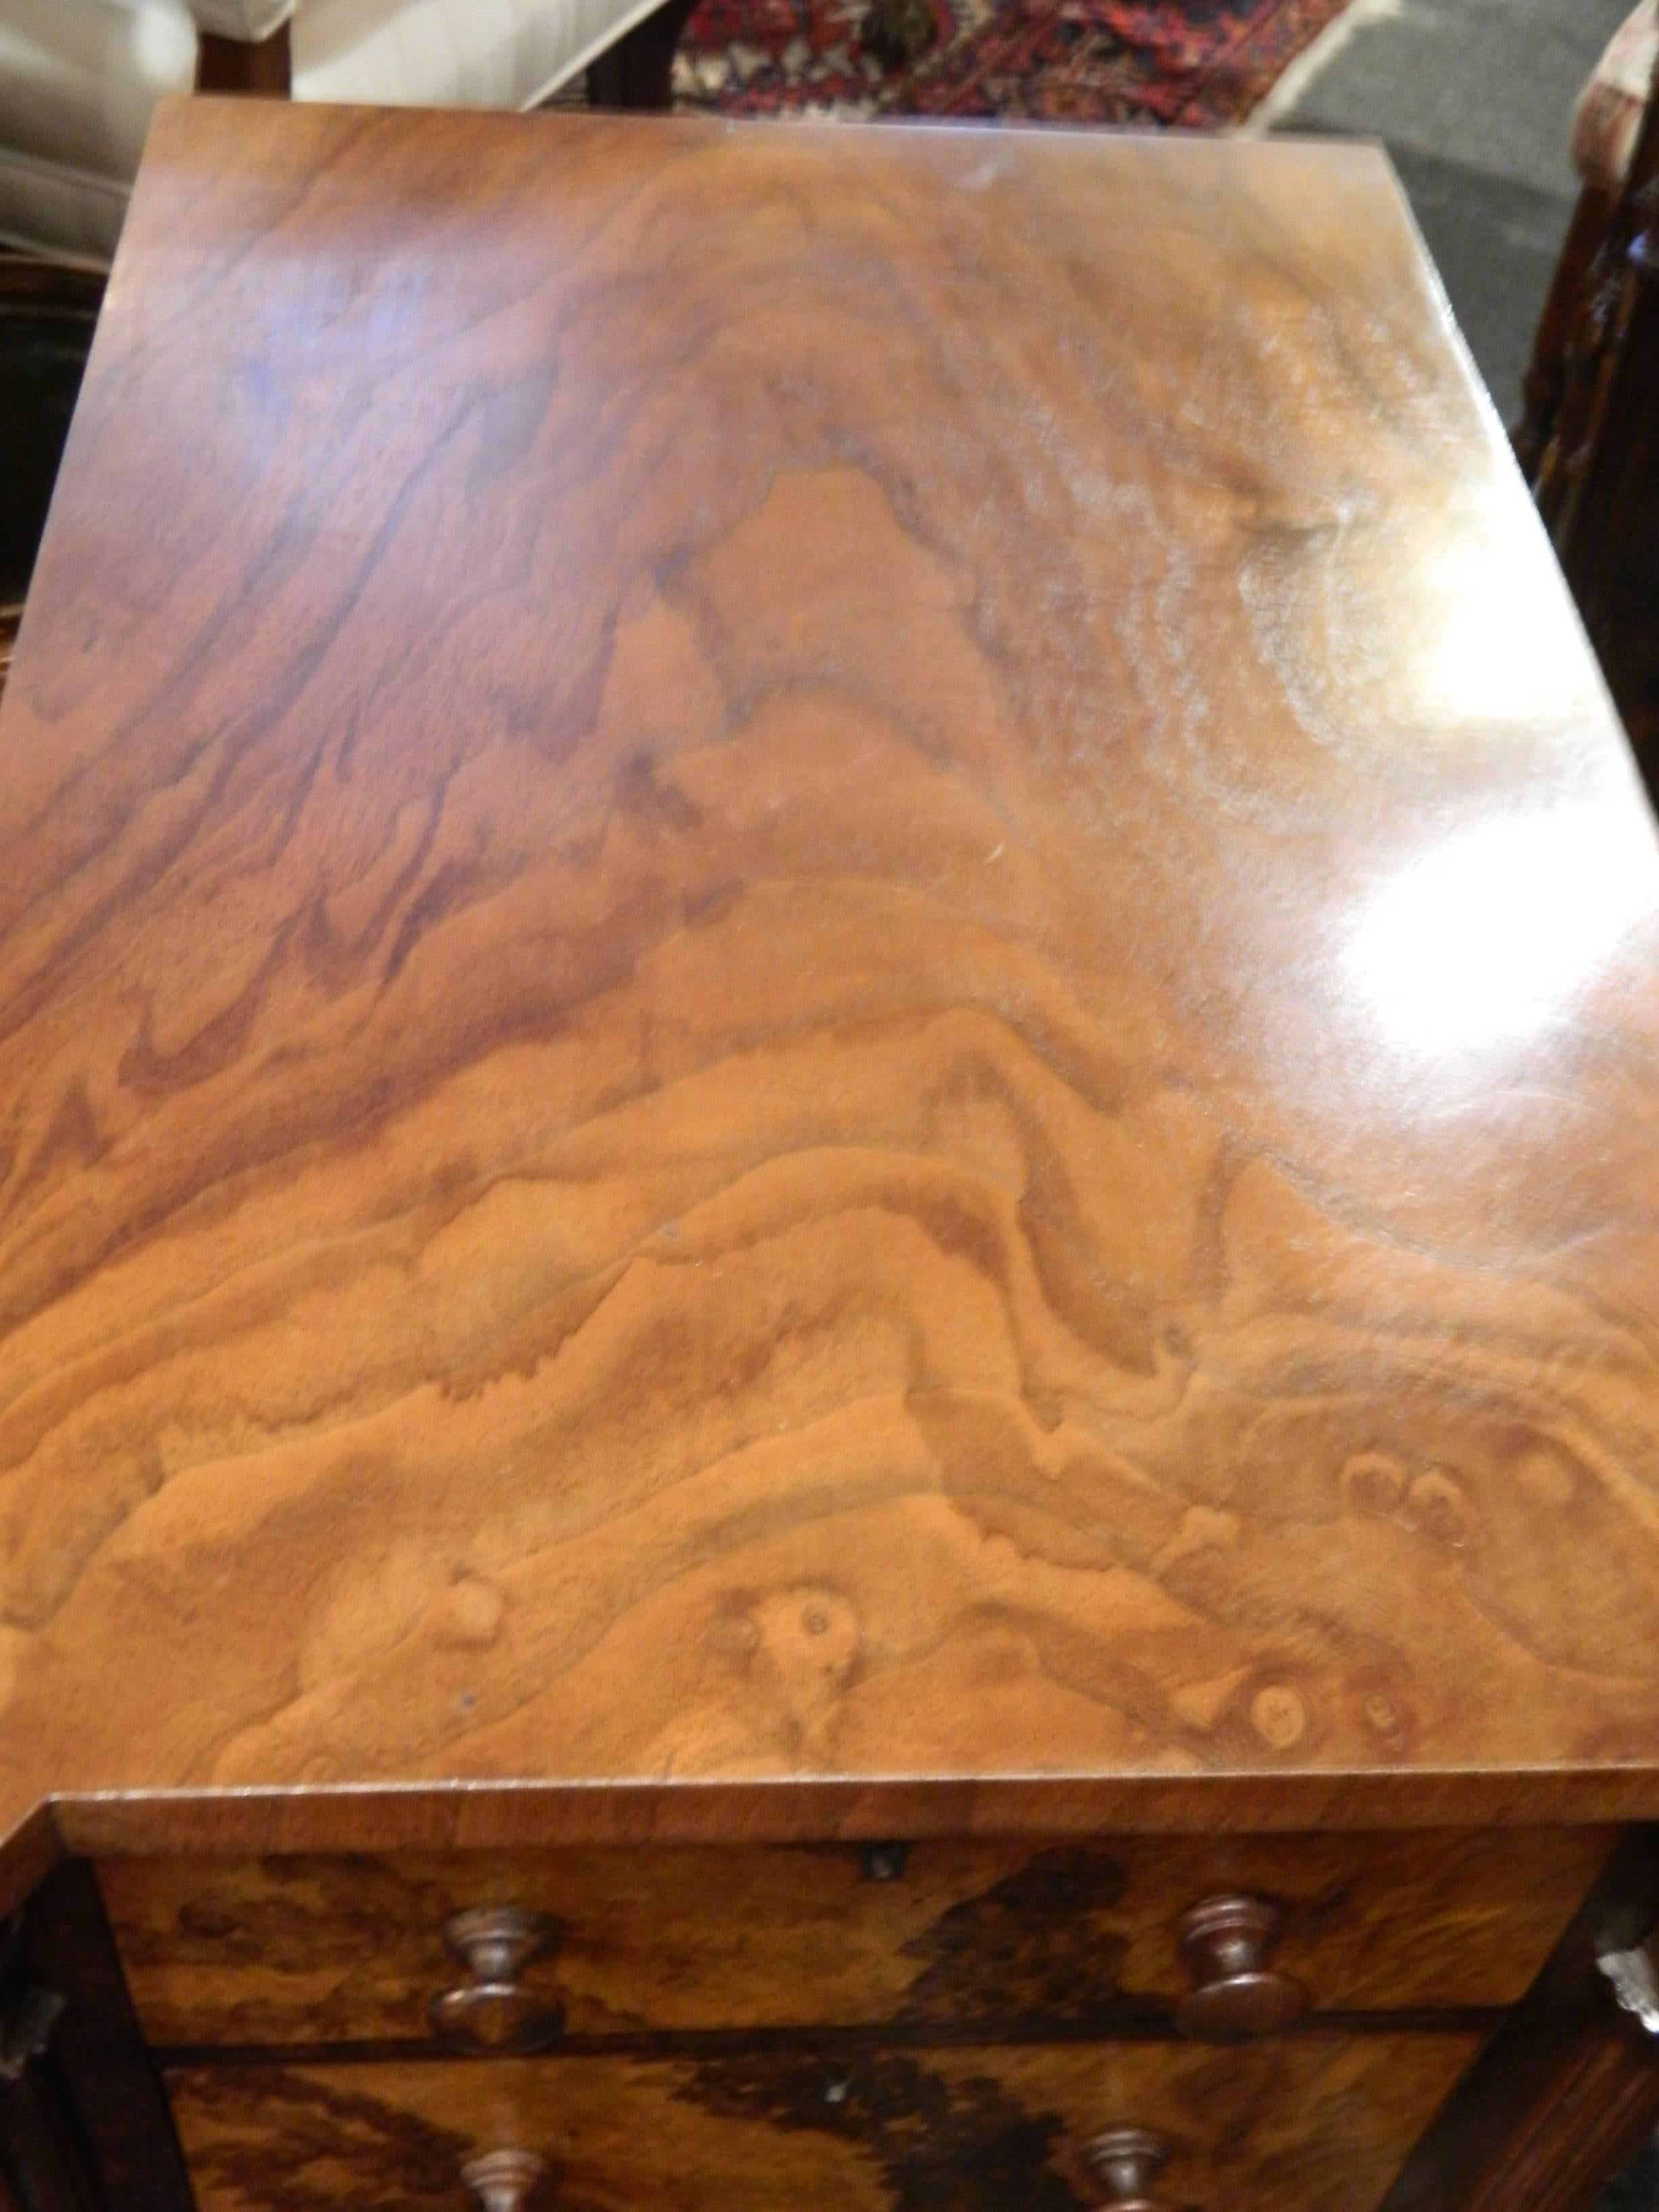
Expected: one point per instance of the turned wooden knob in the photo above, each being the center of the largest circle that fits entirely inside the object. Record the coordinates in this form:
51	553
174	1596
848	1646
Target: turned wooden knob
504	2180
1123	2163
1225	1943
491	2016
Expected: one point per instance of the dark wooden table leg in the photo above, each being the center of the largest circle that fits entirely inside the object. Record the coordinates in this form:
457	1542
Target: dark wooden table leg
261	66
637	72
1545	383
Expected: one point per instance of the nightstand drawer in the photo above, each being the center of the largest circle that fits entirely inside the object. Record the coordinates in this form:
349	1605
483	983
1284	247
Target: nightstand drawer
1318	2122
1011	1935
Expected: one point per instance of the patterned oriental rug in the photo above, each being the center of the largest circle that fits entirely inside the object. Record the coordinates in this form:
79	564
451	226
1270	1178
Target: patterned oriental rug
1201	64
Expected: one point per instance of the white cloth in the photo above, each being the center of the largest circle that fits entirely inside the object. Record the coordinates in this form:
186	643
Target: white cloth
451	53
79	79
251	20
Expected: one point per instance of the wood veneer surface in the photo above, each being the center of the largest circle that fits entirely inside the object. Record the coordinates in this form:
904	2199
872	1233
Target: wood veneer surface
1061	1935
1317	2122
822	958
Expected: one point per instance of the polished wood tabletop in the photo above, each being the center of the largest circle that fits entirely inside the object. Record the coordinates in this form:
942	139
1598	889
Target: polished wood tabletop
828	987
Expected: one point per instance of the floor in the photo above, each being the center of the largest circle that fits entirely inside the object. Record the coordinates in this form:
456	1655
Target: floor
1473	99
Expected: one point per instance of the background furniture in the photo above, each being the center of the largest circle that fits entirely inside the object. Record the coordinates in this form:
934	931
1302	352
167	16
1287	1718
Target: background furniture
79	79
46	320
827	1211
1589	434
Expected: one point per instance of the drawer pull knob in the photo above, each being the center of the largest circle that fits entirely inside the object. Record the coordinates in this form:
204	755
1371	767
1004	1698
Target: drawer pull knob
1124	2162
504	2180
491	2016
1226	1943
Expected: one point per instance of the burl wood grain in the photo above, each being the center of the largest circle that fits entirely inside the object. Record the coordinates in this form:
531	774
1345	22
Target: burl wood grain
1320	2122
821	955
1059	1935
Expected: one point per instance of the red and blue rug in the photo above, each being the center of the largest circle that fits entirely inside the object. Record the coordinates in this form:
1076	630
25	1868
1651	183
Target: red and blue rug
1198	63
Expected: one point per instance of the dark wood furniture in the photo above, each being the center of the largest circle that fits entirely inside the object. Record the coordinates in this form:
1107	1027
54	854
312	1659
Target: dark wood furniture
830	1049
47	313
1589	435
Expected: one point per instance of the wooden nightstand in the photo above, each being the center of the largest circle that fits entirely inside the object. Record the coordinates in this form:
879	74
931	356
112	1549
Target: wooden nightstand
832	1201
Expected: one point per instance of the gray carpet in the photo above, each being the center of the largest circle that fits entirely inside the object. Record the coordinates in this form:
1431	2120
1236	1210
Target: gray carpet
1474	99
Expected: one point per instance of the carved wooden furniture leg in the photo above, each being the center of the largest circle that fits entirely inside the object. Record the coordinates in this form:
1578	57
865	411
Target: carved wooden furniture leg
637	72
1545	380
1596	478
263	66
1607	539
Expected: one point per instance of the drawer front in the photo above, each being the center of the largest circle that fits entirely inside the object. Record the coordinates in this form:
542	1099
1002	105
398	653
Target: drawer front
983	1935
1314	2121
